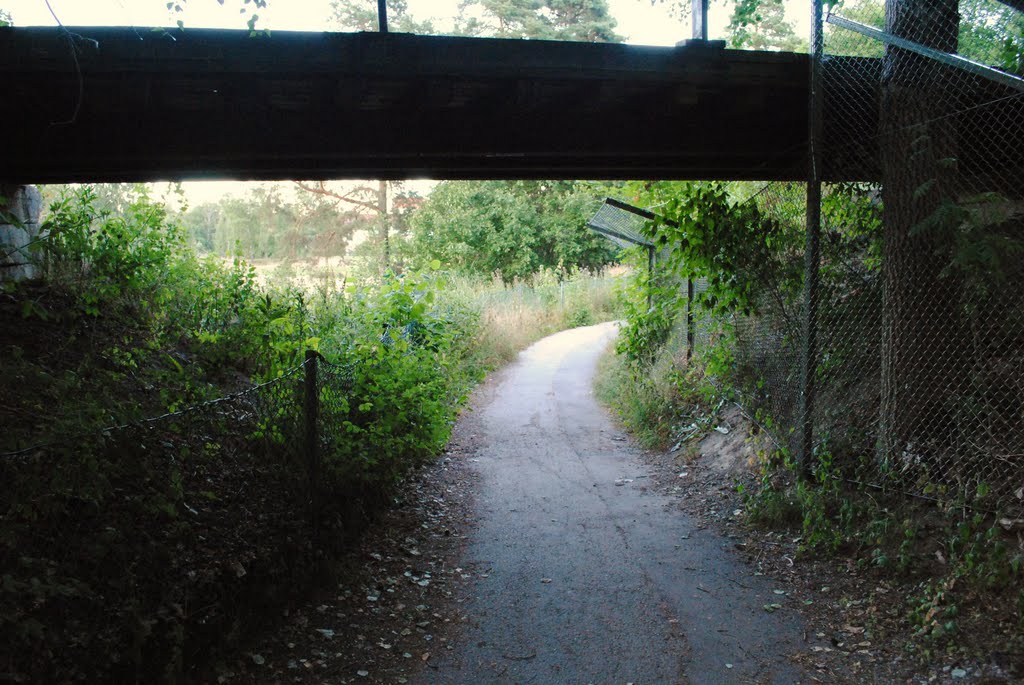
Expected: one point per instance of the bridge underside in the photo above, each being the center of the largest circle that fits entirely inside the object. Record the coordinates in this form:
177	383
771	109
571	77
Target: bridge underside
114	104
117	104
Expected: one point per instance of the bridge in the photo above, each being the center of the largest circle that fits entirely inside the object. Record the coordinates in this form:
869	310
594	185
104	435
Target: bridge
121	104
117	104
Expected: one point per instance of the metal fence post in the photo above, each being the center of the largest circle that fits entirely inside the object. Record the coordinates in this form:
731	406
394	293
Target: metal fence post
650	277
812	255
311	431
689	320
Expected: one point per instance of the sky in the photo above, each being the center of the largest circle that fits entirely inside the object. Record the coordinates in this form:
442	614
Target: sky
643	22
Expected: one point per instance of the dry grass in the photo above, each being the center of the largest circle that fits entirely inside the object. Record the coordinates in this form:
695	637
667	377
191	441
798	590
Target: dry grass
512	318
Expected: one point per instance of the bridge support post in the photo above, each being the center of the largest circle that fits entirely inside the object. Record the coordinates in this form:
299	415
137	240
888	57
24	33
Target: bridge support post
20	209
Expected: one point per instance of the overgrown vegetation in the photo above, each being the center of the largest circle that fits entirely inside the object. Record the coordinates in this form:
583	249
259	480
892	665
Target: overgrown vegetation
959	564
136	551
512	228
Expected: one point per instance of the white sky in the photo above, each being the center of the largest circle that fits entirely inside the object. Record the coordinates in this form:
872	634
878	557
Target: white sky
642	22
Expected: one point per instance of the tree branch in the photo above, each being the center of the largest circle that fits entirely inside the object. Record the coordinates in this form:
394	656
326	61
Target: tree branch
322	189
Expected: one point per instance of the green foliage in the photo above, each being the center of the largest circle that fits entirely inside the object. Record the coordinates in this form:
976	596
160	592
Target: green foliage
178	7
575	20
745	254
992	33
111	535
403	354
108	259
652	305
981	234
762	25
749	260
510	228
659	404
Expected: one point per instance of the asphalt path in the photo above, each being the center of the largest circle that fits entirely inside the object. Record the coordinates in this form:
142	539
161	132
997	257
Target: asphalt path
585	574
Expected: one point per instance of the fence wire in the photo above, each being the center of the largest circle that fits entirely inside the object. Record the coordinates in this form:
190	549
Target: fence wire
264	430
923	334
919	366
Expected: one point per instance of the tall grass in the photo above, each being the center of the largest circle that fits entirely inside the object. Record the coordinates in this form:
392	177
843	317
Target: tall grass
654	401
511	318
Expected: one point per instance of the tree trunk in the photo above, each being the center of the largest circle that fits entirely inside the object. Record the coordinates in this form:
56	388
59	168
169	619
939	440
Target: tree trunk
923	341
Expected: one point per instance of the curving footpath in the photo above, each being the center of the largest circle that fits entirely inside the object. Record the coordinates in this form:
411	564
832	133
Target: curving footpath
584	574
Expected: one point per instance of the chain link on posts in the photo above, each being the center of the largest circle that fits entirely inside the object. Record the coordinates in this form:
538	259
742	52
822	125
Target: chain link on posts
930	327
919	374
275	430
765	345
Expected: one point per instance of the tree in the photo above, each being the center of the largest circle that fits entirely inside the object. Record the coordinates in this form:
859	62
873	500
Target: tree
845	42
370	198
579	20
361	15
200	224
762	25
509	228
992	34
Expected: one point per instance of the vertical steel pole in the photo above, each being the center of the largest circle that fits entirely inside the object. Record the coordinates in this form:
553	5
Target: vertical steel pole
689	320
699	10
382	15
812	255
650	277
311	432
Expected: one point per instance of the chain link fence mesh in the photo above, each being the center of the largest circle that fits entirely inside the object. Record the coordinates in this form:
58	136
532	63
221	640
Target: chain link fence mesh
192	518
264	429
919	373
922	334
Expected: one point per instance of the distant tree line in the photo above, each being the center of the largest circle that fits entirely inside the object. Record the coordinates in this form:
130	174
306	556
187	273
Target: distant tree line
266	224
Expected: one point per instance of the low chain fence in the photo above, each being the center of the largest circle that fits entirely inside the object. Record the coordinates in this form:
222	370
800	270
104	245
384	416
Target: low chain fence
169	532
278	425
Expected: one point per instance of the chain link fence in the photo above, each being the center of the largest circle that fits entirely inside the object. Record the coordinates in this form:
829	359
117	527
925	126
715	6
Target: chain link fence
189	521
276	428
918	354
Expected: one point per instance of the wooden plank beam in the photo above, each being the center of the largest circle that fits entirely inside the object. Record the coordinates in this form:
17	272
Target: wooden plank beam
113	104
